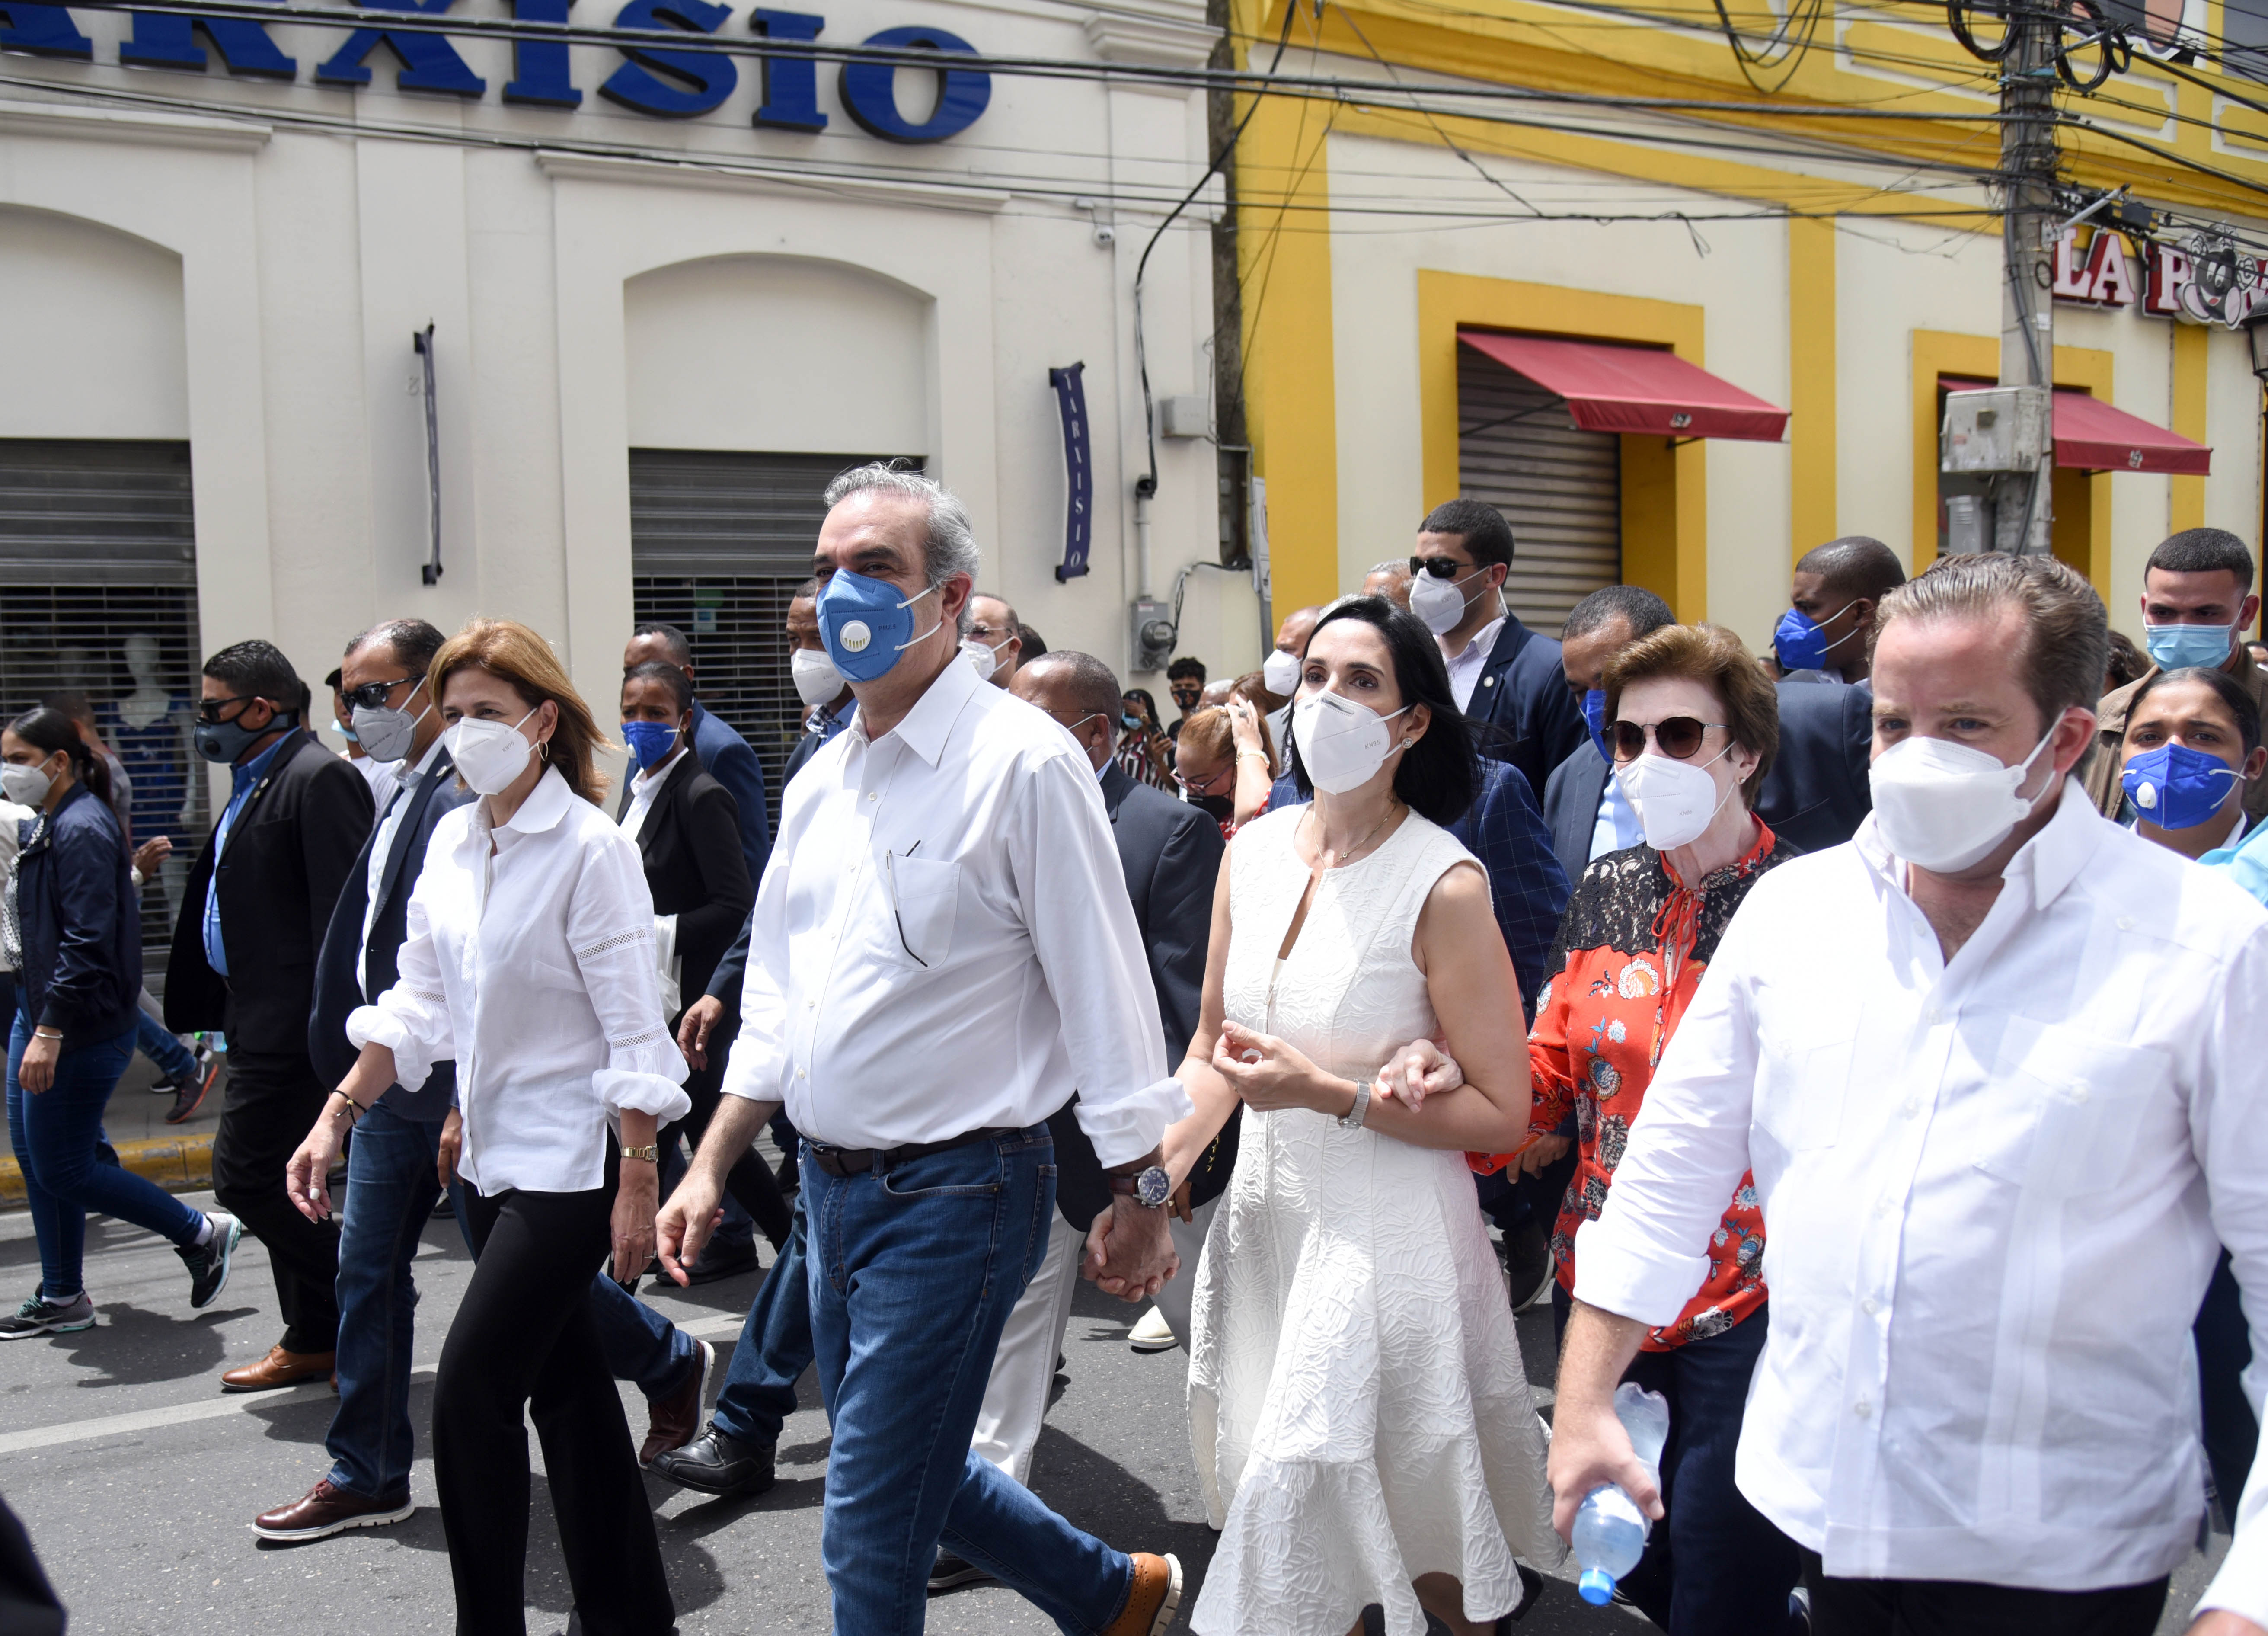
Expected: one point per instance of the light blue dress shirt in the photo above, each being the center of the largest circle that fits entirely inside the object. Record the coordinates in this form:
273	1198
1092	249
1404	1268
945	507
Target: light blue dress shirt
244	778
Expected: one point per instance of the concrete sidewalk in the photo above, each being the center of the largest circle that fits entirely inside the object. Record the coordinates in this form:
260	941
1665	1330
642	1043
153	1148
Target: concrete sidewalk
176	1157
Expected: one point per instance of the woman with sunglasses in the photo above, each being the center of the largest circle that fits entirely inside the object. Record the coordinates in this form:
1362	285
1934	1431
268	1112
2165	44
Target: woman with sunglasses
1693	725
1361	1420
1223	764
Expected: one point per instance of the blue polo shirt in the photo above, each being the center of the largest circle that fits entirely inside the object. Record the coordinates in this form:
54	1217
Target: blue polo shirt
244	778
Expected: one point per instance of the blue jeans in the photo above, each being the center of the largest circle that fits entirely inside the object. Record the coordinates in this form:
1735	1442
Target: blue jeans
54	1135
176	1061
913	1271
641	1347
774	1349
391	1185
1714	1566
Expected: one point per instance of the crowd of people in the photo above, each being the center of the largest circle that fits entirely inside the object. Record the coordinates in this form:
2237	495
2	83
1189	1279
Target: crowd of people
1849	1041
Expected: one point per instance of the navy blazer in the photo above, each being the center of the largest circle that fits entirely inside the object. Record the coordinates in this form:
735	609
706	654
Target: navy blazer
81	923
1816	794
1521	706
1504	829
726	756
1171	854
289	855
339	966
1571	806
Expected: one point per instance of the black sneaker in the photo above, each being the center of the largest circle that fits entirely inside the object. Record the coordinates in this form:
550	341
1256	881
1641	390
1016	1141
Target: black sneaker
208	1262
951	1573
39	1315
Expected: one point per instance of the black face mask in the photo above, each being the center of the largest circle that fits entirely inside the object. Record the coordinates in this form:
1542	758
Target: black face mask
1221	806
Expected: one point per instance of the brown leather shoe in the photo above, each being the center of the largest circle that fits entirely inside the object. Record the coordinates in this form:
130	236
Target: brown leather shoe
326	1509
1154	1598
279	1368
672	1421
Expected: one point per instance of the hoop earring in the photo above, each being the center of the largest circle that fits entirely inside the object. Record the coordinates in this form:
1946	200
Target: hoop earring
543	749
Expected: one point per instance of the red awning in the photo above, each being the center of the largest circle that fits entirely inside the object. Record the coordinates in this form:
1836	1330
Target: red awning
2091	434
1629	388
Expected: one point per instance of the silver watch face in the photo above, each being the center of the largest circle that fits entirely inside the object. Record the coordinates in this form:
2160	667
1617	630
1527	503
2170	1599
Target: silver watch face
1153	1187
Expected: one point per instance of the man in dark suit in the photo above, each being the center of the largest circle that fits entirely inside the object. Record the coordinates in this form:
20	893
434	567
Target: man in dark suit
1506	677
253	915
1816	794
827	701
1584	808
391	1179
725	755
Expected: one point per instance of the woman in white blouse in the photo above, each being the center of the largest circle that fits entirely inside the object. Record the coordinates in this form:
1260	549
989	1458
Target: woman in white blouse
530	962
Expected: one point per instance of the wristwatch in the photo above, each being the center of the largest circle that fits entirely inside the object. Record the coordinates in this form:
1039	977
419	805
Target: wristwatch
651	1153
1150	1188
1352	1118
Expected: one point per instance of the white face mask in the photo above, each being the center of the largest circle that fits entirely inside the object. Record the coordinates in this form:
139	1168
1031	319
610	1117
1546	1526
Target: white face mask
1440	603
1342	744
817	682
1674	800
27	786
1942	805
985	657
490	755
1279	672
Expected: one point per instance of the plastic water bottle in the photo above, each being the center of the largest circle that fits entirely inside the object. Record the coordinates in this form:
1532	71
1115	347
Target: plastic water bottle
1610	1530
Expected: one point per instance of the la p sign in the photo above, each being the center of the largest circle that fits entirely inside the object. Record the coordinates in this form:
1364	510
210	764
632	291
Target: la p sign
665	83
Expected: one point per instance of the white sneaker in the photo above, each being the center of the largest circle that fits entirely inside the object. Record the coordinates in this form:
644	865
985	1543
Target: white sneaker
1152	1333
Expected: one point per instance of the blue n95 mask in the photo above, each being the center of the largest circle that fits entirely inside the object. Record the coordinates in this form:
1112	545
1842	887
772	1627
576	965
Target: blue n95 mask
865	624
1801	644
1595	718
2178	647
2177	787
650	741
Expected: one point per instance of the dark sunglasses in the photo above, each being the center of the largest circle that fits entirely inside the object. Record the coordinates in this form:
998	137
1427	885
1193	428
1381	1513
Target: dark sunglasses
372	695
1679	736
208	710
1440	567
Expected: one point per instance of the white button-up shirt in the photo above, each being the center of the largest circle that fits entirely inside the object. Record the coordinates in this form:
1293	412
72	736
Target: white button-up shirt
1465	669
944	942
533	966
1995	1188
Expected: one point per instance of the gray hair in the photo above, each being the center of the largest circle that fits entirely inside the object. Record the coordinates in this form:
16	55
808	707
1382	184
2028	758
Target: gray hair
948	545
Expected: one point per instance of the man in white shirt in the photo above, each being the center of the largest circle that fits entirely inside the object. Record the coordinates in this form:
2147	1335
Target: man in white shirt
1996	1064
944	953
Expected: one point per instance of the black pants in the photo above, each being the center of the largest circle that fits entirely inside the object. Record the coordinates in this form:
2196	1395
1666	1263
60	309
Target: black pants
2224	1348
750	1181
523	1344
1881	1607
272	1104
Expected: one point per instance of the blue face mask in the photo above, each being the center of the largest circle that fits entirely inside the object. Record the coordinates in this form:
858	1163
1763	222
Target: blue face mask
2177	787
650	742
1800	642
2178	647
1595	718
865	624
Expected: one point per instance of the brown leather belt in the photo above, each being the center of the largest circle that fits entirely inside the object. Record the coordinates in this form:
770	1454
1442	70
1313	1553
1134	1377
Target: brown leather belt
842	1161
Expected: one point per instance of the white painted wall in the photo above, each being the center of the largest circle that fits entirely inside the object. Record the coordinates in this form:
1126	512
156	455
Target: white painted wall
125	376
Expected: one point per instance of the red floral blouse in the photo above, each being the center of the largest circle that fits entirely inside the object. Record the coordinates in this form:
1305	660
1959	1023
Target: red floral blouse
1632	948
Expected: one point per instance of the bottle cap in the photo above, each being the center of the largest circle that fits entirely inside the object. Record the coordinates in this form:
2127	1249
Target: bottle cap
1596	1587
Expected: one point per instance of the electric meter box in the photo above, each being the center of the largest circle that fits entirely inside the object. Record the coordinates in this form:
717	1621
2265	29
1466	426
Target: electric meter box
1996	429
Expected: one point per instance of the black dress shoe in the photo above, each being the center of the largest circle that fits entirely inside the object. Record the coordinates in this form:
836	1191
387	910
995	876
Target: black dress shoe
717	1463
715	1263
950	1572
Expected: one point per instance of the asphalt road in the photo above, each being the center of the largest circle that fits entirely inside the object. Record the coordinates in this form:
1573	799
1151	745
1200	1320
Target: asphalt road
137	1477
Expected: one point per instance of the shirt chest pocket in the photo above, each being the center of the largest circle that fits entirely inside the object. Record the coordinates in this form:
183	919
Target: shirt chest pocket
1801	1084
925	893
2061	1112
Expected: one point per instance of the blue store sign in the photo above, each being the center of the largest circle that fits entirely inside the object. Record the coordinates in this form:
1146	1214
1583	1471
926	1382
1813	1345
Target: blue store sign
653	80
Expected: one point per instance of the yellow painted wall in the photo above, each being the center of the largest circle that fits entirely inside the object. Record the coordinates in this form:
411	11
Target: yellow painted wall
1812	379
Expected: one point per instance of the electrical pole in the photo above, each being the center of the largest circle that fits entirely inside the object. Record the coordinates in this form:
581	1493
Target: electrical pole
2021	512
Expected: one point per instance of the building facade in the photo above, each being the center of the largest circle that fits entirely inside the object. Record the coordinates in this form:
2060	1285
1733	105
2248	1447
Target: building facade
1809	226
664	294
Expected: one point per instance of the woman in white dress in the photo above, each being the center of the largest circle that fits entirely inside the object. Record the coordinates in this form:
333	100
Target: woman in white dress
1363	1427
